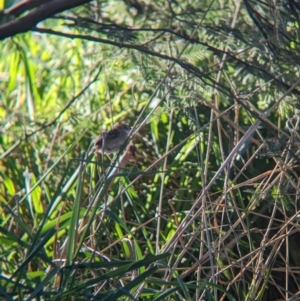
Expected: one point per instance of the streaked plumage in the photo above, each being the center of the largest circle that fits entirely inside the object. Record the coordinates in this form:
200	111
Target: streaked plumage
113	140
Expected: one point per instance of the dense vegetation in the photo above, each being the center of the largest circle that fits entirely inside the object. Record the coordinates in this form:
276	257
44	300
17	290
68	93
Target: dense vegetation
206	207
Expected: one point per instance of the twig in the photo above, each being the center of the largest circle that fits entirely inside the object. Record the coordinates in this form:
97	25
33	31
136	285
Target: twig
52	122
44	11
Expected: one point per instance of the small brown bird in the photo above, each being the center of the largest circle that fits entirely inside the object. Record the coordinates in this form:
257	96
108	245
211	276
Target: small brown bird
113	140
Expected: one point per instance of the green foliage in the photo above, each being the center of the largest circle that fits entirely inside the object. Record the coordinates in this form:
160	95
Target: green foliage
184	218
